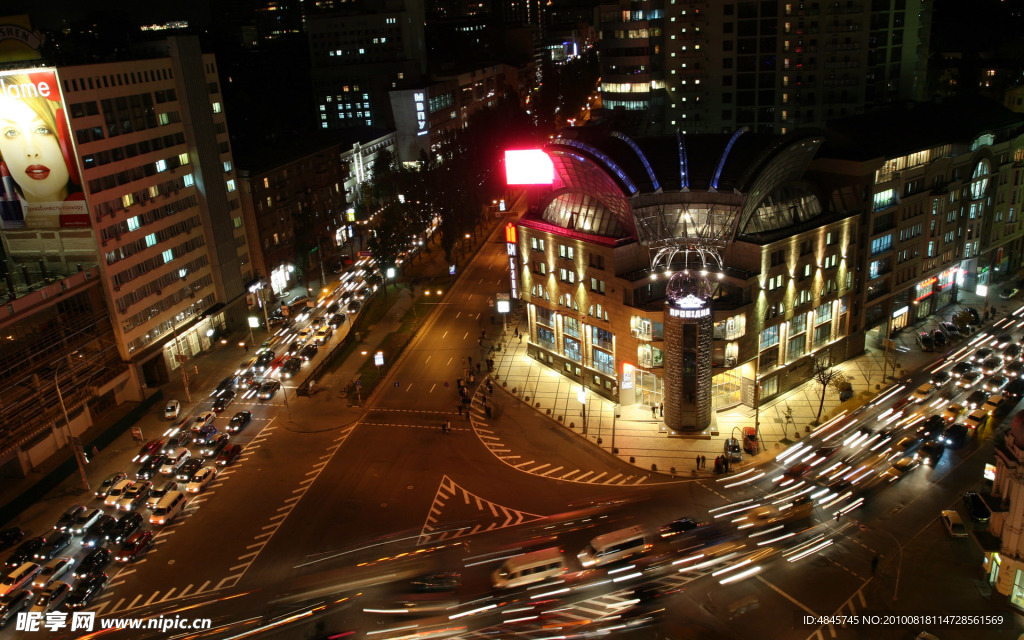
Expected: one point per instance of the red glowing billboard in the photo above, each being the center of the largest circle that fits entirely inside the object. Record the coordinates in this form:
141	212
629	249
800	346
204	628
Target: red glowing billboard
528	166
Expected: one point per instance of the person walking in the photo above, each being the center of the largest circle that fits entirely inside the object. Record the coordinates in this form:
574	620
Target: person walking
661	409
874	564
698	462
654	411
703	462
459	407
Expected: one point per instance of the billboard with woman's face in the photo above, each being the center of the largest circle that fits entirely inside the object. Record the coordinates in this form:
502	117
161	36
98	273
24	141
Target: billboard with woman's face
40	183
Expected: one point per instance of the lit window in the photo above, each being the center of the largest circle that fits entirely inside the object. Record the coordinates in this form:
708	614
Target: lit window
133	223
128	200
217	108
188	180
231	185
151	240
168	256
227	166
161	165
183	158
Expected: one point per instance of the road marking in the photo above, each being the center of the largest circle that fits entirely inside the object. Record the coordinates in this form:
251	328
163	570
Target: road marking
596	478
121	574
550	471
523	464
184	591
300	490
239	566
613	478
536	469
114	608
286	507
115	584
272	526
293	498
203	588
580	478
168	594
132	605
152	598
785	595
309	473
98	610
264	535
221	585
568	475
258	544
280	515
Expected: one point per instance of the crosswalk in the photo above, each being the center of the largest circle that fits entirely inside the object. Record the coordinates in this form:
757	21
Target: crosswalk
462	505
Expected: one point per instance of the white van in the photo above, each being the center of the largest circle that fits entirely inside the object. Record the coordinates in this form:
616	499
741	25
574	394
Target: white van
528	568
168	507
614	546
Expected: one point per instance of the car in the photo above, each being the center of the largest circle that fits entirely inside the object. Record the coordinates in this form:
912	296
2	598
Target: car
126	525
54	545
228	455
204	435
968	380
976	399
96	535
135	496
10	537
336	320
1002	341
1013	351
924	340
68	517
201	479
268	389
223	400
239	421
51	598
976	419
976	507
932	450
679	527
173	461
188	469
226	383
973	313
732	450
982	354
134	546
950	330
203	419
52	570
290	368
115	493
14	603
962	368
952	412
1014	390
1008	293
263	361
798	470
953	523
323	334
245	380
150	449
159	491
941	378
94	561
938	338
172	409
991	365
84	591
108	482
19	578
176	438
25	551
308	352
1014	368
992	405
955	435
150	468
995	384
317	322
214	446
932	426
898	469
923	392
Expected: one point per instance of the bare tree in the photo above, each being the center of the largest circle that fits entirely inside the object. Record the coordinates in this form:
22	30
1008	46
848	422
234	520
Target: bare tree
824	373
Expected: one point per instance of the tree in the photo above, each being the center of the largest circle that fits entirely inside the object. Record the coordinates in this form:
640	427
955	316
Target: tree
824	373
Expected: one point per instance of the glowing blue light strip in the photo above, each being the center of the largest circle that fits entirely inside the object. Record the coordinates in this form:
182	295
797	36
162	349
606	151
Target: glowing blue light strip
640	154
684	170
725	154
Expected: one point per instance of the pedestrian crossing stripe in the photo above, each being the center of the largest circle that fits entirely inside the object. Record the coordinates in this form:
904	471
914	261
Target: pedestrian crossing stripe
500	517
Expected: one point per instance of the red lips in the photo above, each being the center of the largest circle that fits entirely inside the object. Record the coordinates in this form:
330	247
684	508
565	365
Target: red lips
37	172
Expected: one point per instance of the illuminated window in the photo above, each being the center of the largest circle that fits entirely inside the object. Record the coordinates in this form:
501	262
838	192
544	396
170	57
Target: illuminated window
227	166
151	240
231	185
133	223
189	180
168	256
161	165
183	158
217	108
128	200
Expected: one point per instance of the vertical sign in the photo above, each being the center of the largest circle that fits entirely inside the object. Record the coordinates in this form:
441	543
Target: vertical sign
419	100
510	247
627	376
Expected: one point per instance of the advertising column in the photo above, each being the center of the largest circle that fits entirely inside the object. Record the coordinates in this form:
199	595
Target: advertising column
689	332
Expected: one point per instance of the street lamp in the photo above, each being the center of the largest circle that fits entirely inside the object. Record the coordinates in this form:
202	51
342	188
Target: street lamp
76	448
581	395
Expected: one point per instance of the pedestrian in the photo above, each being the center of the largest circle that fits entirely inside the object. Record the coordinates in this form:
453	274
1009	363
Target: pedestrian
703	462
459	407
520	336
516	332
718	465
698	462
661	409
480	342
654	411
478	367
874	564
246	345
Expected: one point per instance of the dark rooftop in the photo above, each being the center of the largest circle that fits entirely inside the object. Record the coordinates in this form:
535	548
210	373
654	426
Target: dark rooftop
274	155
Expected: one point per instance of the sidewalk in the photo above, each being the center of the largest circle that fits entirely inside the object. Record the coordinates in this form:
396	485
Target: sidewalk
643	439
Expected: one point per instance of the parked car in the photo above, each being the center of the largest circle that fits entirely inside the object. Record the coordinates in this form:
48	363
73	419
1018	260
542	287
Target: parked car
976	399
968	380
204	435
308	352
25	551
150	449
173	461
995	384
188	469
976	507
991	365
1013	351
54	545
732	450
924	340
201	479
982	354
938	338
953	523
1008	293
952	412
1014	390
10	537
961	369
172	409
323	334
950	329
290	368
150	468
336	320
115	493
203	419
177	438
239	421
954	436
941	378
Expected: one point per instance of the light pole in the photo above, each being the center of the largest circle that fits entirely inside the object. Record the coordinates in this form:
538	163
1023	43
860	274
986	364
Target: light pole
181	358
581	395
77	449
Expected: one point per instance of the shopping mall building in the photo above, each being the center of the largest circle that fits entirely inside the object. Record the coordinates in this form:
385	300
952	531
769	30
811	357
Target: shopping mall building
689	270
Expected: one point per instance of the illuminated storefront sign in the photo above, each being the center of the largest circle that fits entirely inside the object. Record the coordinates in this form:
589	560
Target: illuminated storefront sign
924	289
419	100
627	376
899	312
689	313
510	248
40	180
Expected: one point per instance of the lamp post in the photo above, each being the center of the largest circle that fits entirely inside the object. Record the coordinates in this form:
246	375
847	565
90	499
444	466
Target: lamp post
77	449
581	395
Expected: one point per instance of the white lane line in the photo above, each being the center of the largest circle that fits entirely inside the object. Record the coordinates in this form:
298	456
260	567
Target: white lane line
132	605
598	477
168	594
280	515
114	608
550	471
264	535
272	526
239	566
152	598
203	588
184	591
580	478
258	544
115	584
293	498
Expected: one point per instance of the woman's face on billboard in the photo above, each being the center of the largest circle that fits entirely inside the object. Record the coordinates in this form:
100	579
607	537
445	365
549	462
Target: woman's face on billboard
32	152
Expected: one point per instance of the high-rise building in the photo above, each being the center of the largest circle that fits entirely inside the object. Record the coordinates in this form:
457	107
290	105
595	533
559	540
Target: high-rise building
134	175
360	52
699	67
